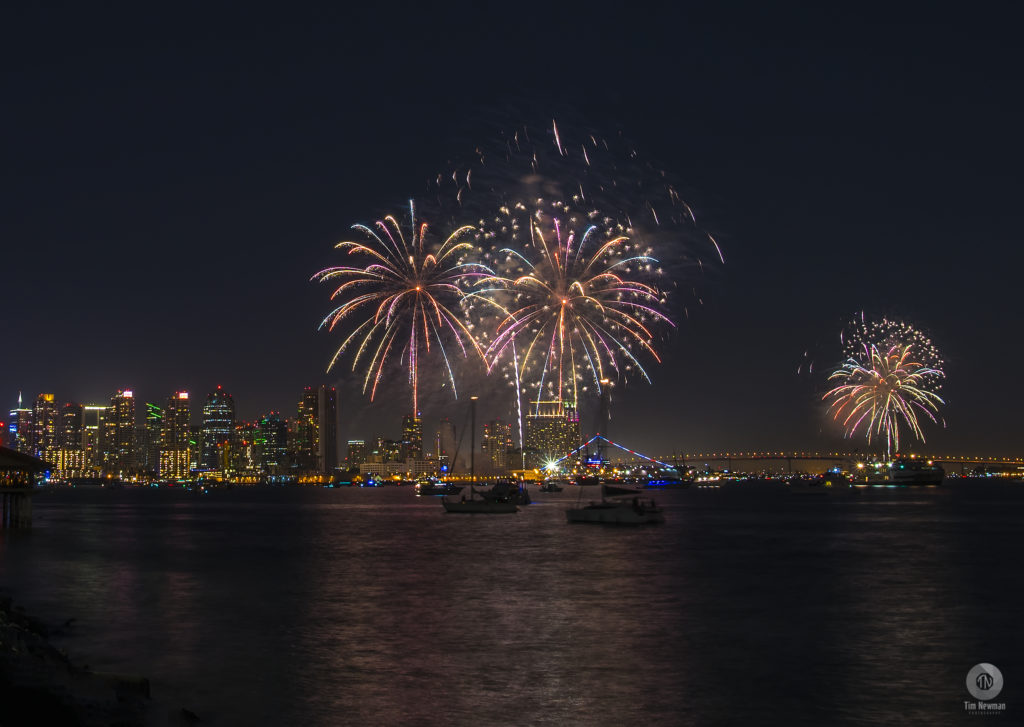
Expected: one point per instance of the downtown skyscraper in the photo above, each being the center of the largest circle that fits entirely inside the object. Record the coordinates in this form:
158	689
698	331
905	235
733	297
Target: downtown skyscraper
327	429
21	433
174	437
496	444
215	435
118	434
45	421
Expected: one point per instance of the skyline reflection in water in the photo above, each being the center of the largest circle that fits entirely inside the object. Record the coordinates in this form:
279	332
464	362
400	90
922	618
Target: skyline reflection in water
319	607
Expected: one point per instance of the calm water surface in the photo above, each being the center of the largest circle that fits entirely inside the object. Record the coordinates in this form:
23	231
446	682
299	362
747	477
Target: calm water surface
749	605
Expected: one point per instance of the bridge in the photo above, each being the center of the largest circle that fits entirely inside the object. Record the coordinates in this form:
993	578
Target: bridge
766	458
948	461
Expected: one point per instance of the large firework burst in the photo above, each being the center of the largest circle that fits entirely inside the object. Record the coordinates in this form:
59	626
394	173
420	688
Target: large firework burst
403	295
574	304
891	377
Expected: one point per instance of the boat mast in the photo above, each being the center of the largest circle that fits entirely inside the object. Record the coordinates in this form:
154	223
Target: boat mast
472	441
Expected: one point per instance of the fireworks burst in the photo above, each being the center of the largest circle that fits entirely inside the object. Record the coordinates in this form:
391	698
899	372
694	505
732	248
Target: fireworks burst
553	163
891	376
572	303
403	294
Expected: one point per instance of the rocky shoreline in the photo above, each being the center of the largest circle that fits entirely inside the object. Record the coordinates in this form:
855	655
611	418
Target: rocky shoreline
39	684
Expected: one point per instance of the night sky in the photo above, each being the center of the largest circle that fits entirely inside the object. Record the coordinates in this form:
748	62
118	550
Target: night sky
172	178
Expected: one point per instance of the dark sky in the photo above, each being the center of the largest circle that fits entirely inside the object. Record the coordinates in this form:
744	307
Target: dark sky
172	177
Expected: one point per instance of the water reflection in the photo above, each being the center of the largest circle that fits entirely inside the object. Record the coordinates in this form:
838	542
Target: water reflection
321	607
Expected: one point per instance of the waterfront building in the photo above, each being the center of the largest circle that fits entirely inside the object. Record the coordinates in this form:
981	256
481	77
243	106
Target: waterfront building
218	426
412	437
495	445
272	443
21	428
245	452
118	434
194	438
305	442
175	434
150	459
376	469
327	429
446	444
68	463
93	420
44	420
69	456
70	433
388	450
552	431
356	452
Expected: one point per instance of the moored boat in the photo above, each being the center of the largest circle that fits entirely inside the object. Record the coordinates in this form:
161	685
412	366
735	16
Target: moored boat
902	471
429	486
478	503
618	506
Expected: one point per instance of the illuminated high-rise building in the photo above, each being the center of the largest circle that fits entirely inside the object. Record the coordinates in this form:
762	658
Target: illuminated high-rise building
150	460
305	433
496	444
175	433
69	456
446	443
356	452
21	430
552	431
412	437
45	419
70	434
194	439
327	429
245	453
388	450
272	442
118	434
93	422
218	425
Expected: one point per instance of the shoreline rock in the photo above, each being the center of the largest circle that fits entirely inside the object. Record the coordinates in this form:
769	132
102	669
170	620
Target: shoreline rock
39	684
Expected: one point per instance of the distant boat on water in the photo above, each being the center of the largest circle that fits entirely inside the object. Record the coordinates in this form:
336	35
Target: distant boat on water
480	503
429	486
618	506
901	471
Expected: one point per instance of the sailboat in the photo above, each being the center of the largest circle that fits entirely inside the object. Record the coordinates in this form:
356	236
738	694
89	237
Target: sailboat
618	506
479	501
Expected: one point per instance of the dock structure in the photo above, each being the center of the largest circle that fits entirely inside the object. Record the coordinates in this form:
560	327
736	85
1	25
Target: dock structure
18	473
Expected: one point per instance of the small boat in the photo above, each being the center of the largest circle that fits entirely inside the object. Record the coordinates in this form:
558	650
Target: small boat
550	486
507	491
903	471
478	502
428	486
618	506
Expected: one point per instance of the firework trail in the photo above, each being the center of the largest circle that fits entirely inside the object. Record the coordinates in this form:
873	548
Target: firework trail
571	304
403	295
585	170
891	377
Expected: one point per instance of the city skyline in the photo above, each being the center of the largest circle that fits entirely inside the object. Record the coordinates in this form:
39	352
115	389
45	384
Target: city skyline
155	249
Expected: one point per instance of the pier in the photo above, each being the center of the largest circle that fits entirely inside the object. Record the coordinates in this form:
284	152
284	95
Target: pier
18	474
